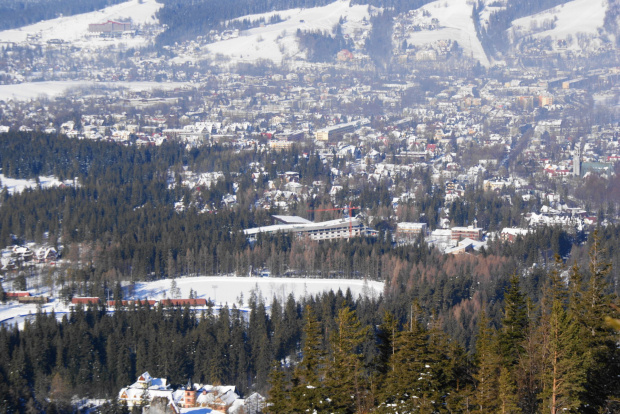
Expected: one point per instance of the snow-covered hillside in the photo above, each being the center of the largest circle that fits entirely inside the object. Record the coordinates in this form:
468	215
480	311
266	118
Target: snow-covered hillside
453	22
74	29
277	42
569	22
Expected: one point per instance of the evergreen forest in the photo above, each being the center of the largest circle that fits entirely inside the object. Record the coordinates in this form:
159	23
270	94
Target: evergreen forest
515	328
335	353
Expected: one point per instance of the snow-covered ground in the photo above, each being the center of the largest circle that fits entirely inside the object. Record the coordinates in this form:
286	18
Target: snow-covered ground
51	89
490	7
577	16
278	41
228	290
455	22
16	185
222	290
75	28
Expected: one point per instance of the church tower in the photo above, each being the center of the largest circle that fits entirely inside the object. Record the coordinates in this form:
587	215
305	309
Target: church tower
577	161
189	395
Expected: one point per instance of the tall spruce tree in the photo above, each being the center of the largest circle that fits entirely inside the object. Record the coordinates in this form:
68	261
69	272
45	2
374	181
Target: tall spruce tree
307	390
279	401
417	381
488	361
387	343
562	370
344	374
514	323
590	303
507	393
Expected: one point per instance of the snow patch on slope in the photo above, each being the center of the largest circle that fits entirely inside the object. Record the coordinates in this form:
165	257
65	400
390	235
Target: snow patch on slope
278	42
75	28
17	185
564	21
455	23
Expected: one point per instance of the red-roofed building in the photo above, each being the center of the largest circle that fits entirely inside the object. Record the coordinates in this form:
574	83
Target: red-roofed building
85	300
17	294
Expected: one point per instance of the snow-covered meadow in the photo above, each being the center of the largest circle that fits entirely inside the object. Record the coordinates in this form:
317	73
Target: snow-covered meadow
16	185
228	290
222	290
569	20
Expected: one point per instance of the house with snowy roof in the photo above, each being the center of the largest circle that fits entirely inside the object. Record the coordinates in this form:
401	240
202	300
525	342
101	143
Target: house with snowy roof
144	390
189	398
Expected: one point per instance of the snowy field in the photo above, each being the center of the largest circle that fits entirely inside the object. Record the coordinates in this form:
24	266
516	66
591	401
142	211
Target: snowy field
51	89
277	42
222	290
456	24
15	185
578	16
74	29
228	290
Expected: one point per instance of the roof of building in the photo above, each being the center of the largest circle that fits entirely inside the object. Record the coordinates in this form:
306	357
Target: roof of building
17	294
303	226
291	219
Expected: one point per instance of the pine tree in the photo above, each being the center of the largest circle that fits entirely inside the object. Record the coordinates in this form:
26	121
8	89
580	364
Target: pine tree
306	393
529	369
563	375
514	323
411	384
589	304
507	393
486	392
387	342
344	374
278	398
555	289
259	334
459	398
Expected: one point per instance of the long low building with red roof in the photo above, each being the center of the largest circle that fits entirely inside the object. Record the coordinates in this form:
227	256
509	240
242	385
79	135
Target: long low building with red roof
85	300
17	294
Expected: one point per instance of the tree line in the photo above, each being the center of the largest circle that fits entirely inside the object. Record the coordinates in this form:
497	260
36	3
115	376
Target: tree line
551	357
90	352
337	353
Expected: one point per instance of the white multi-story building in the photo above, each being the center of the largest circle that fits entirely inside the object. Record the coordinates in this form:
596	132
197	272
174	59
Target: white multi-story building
343	228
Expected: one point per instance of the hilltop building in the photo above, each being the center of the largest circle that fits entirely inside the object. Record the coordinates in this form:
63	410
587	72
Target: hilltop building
109	27
343	228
